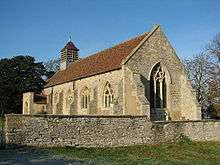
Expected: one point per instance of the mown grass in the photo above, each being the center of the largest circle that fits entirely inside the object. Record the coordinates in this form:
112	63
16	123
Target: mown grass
175	153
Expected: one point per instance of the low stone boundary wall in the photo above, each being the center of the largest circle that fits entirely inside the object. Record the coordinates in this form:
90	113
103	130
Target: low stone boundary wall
101	131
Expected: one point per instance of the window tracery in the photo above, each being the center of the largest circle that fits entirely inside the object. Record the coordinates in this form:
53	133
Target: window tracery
158	87
158	93
108	96
85	98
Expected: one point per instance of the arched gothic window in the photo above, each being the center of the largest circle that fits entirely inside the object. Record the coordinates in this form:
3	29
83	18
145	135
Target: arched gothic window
158	87
85	98
108	96
158	93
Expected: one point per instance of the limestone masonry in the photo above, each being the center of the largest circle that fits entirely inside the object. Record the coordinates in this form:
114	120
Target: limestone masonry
139	77
102	131
136	92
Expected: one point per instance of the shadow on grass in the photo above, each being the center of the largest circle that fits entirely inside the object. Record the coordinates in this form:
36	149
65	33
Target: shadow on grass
29	156
183	152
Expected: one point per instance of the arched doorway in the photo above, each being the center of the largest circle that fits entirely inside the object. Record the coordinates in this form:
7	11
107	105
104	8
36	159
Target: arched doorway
158	93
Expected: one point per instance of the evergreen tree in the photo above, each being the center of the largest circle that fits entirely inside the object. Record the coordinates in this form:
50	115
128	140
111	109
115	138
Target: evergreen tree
18	75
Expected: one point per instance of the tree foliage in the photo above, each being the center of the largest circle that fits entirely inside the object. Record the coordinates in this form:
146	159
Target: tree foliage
18	75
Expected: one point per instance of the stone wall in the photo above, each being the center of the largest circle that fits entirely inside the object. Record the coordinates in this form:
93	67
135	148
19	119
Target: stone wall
71	95
29	106
101	131
62	99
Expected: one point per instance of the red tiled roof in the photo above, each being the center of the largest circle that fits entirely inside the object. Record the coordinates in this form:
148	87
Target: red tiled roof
101	62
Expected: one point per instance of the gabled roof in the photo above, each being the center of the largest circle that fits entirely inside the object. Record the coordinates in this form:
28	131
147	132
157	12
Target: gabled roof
107	60
70	46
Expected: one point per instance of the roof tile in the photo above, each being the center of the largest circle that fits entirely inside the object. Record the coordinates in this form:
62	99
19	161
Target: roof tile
101	62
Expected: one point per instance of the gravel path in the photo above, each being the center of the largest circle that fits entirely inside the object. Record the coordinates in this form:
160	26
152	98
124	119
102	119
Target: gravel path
30	156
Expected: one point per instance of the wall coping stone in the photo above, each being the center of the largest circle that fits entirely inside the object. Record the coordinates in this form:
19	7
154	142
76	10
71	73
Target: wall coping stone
74	116
105	116
185	121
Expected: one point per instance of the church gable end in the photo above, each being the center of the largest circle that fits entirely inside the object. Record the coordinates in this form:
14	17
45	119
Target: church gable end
156	49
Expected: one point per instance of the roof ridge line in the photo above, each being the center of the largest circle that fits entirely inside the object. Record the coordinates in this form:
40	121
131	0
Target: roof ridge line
138	46
118	52
126	40
115	45
94	54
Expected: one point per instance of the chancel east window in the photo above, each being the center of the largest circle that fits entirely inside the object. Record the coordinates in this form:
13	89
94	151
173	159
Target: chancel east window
108	96
85	98
158	93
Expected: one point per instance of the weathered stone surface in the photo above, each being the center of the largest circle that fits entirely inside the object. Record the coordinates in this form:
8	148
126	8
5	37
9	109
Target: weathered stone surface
96	86
101	131
131	86
181	100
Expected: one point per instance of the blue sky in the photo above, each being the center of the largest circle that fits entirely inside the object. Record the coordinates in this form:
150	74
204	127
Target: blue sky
41	28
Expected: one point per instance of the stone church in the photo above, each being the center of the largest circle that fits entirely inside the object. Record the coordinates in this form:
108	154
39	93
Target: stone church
140	76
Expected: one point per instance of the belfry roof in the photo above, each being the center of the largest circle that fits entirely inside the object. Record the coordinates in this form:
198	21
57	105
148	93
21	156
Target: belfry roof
70	46
104	61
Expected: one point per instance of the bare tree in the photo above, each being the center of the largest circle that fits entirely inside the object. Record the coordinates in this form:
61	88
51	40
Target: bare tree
213	47
52	65
200	68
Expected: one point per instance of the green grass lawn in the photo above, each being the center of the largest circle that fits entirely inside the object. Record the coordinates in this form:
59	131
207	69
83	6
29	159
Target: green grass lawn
175	153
